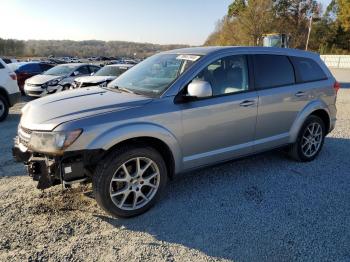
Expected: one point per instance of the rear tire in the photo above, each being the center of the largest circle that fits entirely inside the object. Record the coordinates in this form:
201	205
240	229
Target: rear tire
4	108
126	174
309	141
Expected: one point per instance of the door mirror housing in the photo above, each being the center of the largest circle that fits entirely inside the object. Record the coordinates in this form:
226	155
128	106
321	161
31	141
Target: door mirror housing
199	89
75	73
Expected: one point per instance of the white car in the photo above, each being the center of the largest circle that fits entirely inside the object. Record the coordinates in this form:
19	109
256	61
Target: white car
102	77
9	91
56	79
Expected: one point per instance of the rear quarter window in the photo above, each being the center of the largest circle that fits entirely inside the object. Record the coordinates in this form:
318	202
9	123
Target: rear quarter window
30	68
45	67
272	71
307	70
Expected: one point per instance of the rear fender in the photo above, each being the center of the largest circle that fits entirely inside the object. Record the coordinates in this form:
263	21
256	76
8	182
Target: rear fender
303	114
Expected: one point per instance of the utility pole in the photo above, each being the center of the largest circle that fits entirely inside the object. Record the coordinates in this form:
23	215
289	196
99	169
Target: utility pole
308	35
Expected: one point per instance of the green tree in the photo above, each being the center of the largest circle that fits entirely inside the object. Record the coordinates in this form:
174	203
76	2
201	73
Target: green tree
344	14
236	7
244	24
293	16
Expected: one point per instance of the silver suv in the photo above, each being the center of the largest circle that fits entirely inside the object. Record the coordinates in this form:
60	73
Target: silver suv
174	112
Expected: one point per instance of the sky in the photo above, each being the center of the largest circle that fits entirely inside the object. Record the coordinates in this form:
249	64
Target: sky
153	21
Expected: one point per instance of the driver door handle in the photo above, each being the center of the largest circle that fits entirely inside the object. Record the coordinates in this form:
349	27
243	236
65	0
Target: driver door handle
246	103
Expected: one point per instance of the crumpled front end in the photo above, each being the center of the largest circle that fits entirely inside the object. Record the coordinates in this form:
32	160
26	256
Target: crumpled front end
50	170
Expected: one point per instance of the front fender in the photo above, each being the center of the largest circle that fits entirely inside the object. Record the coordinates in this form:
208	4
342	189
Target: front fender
303	114
115	135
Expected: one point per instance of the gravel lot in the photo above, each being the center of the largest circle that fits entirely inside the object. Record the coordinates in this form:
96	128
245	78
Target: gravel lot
262	208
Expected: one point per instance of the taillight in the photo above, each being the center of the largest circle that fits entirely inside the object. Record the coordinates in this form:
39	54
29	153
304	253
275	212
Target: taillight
336	86
13	76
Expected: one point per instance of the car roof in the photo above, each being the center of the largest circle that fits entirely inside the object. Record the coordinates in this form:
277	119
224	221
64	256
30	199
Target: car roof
121	65
74	64
206	50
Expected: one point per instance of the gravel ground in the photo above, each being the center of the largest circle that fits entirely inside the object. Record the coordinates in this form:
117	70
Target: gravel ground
262	208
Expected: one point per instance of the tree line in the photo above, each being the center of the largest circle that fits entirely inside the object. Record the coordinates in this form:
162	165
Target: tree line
61	48
247	21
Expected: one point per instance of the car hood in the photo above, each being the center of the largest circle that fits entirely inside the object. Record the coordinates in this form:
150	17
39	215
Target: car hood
41	79
94	79
50	111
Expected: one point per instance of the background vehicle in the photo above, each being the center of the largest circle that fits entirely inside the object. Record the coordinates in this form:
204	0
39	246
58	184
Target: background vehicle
25	70
9	60
57	79
9	91
174	112
102	77
276	40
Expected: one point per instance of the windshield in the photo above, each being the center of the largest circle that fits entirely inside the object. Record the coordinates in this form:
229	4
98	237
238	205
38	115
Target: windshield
60	70
111	71
155	74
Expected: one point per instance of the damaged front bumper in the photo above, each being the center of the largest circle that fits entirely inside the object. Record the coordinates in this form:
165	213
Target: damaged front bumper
69	168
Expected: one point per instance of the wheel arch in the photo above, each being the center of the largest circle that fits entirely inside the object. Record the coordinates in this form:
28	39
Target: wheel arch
153	142
317	108
143	134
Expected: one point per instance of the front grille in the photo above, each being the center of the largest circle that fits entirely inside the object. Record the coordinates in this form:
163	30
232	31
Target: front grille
34	92
29	84
24	135
89	84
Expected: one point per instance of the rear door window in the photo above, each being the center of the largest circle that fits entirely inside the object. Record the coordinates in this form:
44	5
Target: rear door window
83	70
1	66
94	69
307	70
272	71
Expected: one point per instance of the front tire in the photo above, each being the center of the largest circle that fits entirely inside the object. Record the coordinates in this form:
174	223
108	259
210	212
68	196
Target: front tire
310	140
4	108
65	88
129	180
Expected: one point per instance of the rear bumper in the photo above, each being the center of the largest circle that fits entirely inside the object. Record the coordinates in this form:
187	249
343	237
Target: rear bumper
53	170
332	124
14	98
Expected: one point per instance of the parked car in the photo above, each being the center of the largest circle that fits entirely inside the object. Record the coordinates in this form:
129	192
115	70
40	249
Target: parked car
56	79
25	70
174	112
102	77
9	60
9	91
129	61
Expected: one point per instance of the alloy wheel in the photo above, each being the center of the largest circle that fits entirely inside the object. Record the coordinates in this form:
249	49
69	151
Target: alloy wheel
312	139
135	183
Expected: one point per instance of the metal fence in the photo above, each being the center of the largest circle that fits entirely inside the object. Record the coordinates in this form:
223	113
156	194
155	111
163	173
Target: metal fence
336	61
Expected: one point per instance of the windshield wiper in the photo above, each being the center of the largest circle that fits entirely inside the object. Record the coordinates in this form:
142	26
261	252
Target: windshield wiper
124	89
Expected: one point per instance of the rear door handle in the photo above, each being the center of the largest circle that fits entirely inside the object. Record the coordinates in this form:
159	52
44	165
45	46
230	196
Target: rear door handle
246	103
300	93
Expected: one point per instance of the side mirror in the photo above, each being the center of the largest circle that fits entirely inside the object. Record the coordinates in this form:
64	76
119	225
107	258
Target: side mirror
75	73
199	89
92	73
